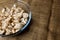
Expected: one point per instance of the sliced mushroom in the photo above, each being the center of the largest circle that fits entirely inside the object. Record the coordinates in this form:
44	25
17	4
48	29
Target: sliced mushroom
23	21
18	26
3	10
13	30
8	32
2	31
25	15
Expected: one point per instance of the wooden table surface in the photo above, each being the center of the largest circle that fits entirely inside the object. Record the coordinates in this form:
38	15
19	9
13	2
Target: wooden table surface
45	24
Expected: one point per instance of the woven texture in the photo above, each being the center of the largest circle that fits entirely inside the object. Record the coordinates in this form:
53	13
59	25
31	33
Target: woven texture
45	24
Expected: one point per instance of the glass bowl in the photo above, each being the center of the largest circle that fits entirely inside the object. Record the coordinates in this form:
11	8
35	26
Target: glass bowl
23	5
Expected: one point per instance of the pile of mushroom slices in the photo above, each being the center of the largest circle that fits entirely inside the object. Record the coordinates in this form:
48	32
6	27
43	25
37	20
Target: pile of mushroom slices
12	19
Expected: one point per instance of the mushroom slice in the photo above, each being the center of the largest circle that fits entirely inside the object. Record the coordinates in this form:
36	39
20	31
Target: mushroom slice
25	15
17	30
23	21
18	26
8	32
2	31
3	10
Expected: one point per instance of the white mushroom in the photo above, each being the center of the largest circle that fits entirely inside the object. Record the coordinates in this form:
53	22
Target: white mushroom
12	12
5	23
23	21
13	30
2	31
3	10
10	26
17	10
16	21
8	19
17	30
8	32
25	15
18	26
26	19
7	10
7	14
4	17
14	5
21	13
18	15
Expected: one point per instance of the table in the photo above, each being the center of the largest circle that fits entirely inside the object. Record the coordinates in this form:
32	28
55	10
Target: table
45	23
